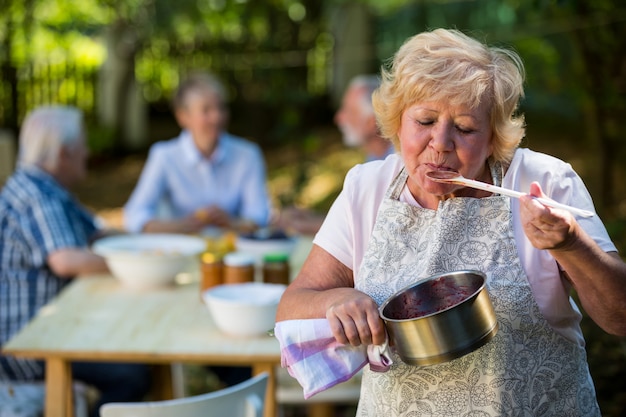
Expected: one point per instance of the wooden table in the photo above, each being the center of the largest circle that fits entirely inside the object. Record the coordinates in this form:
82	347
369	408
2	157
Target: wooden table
97	319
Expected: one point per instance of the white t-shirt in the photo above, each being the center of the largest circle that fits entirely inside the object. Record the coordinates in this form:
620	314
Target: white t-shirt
350	221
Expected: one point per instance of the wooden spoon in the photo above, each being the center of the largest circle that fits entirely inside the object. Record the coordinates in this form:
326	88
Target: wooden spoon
452	177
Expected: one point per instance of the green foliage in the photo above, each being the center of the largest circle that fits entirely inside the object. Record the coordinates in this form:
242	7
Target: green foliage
99	139
276	56
617	231
40	28
68	15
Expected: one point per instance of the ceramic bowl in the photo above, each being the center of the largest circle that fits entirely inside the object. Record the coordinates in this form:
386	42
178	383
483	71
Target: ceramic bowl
148	260
247	309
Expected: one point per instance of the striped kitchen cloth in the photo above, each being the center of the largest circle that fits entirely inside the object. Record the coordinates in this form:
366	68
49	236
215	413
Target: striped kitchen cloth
317	361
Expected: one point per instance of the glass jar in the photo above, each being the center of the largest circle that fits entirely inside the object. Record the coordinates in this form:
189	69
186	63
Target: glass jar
211	268
276	268
238	268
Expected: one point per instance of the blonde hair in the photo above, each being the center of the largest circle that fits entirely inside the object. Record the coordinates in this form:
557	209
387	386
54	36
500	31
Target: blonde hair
447	65
45	131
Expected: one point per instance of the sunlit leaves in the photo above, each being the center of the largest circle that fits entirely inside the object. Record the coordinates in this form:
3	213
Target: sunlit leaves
258	28
58	30
296	12
68	13
210	6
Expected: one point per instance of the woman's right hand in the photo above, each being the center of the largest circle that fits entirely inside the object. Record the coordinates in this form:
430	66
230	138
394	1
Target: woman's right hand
325	288
354	319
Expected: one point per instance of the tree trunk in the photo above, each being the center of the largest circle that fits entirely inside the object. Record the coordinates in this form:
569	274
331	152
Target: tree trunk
121	107
354	46
9	77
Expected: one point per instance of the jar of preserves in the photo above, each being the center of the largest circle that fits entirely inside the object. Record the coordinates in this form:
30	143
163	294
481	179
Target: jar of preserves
211	267
276	268
238	268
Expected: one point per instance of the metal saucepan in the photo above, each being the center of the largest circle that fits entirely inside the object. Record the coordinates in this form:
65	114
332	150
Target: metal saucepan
440	318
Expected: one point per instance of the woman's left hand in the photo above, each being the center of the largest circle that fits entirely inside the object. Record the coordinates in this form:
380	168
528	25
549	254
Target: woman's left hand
546	227
598	277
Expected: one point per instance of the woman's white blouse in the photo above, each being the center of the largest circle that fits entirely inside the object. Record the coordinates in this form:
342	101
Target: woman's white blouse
349	223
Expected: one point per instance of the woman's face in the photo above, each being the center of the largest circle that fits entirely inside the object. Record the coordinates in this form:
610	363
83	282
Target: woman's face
438	136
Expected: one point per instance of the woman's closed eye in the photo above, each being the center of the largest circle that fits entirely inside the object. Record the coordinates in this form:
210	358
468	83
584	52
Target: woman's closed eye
463	129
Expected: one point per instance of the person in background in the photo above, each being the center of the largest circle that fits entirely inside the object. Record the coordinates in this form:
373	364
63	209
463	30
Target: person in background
356	120
450	103
44	244
205	176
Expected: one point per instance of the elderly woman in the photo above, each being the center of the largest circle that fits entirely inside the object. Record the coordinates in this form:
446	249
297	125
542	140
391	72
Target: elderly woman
44	238
448	102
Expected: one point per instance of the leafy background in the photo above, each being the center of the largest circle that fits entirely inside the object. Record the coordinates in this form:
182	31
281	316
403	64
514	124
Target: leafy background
285	64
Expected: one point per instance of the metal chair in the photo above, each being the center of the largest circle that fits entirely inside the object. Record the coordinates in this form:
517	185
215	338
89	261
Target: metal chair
242	400
26	399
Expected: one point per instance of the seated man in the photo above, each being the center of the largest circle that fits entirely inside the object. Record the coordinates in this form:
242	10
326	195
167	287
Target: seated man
205	176
356	120
44	238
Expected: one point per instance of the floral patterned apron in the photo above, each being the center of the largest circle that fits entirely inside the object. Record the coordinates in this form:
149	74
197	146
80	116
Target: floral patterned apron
527	369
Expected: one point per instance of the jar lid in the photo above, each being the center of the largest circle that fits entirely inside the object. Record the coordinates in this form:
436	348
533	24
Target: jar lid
238	259
211	257
276	257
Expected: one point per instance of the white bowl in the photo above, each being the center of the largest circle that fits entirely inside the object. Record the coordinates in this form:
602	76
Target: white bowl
259	247
247	309
148	260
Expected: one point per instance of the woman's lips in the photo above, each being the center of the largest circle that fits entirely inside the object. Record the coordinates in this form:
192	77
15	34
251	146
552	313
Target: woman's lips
433	167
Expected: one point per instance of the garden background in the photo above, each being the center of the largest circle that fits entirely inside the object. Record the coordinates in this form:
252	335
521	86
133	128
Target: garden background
286	64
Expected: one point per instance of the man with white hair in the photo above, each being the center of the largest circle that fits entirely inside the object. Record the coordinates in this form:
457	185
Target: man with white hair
44	244
357	121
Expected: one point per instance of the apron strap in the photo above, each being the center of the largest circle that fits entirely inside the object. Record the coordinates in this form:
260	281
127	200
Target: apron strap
395	189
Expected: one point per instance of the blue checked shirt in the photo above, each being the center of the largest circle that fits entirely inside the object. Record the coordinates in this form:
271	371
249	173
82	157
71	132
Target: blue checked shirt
37	217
